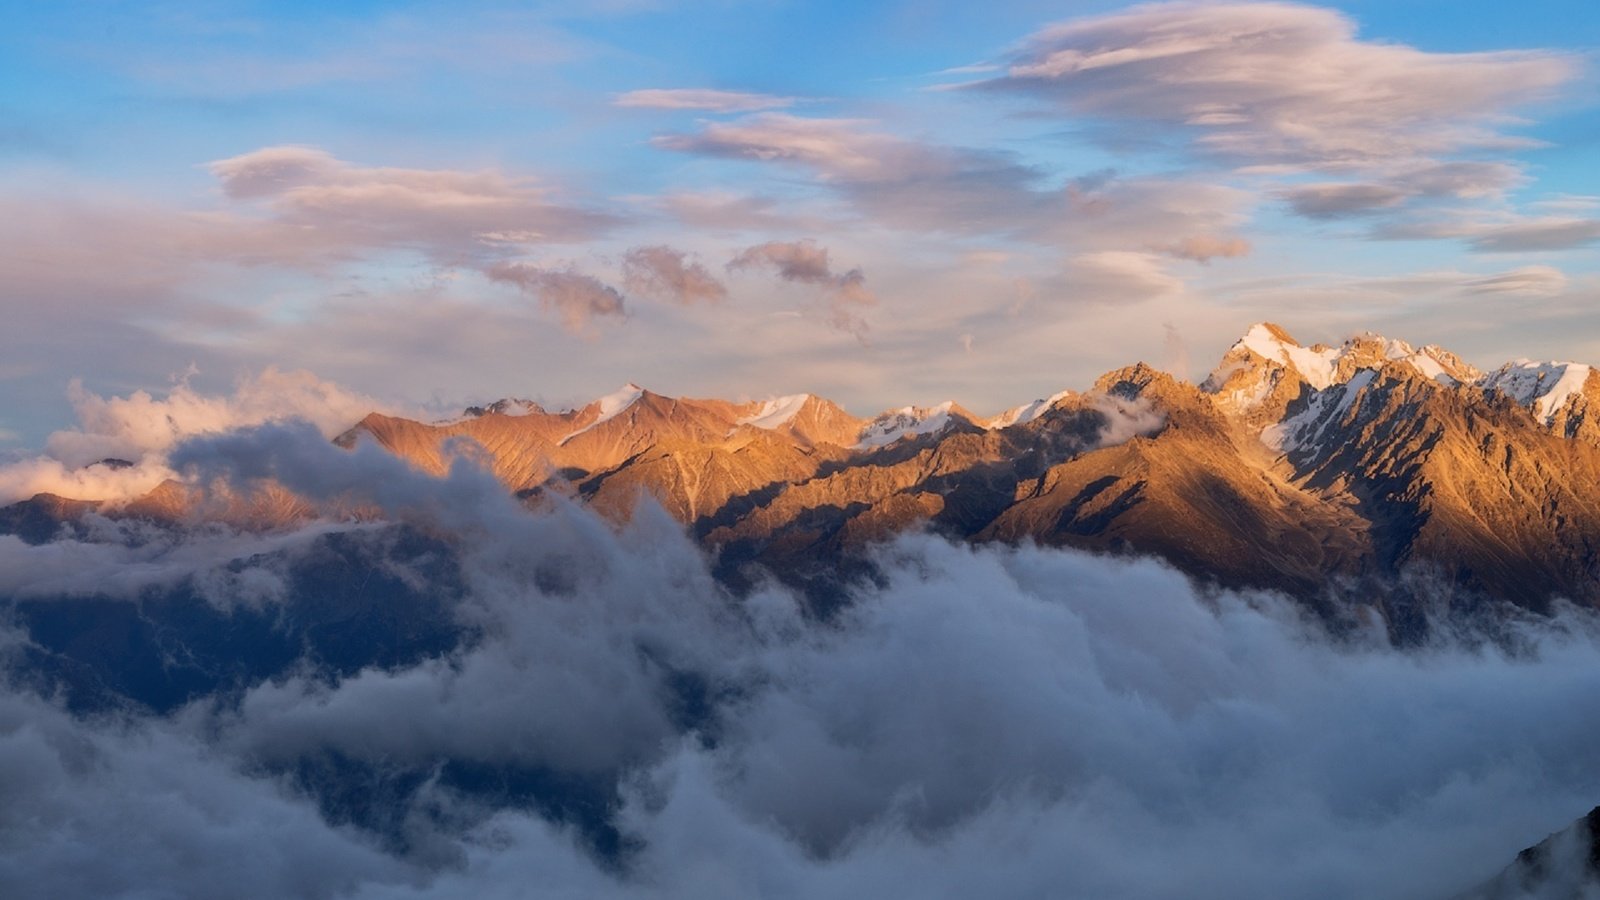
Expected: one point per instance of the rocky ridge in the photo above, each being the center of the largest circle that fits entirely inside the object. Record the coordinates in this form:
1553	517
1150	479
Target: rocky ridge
1399	475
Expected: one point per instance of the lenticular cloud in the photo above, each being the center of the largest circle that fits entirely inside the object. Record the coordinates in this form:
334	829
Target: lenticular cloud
606	719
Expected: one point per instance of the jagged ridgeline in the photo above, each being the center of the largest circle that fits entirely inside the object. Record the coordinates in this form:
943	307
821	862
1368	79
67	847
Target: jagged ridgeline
1371	473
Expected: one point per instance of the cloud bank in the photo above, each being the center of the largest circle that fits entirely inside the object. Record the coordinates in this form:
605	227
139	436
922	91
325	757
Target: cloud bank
995	721
135	433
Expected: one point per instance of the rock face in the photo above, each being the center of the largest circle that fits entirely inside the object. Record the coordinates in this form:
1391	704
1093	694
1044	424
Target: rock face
1564	866
1376	470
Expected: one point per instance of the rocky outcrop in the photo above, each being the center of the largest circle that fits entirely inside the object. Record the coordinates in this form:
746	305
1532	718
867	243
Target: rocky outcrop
1563	866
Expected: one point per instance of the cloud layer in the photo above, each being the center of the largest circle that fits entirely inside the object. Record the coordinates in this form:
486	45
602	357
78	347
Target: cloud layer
136	433
995	721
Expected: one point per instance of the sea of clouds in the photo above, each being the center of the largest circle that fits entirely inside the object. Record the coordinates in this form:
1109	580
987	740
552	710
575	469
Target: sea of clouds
980	721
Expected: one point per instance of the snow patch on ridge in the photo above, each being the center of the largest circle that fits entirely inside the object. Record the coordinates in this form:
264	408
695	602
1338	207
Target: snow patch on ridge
1325	407
776	413
1026	412
908	421
611	405
1543	386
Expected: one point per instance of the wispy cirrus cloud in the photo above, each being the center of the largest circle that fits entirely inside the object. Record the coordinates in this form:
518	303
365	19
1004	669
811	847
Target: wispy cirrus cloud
704	99
1284	90
1462	180
1537	234
311	196
1527	281
1278	83
928	187
1499	232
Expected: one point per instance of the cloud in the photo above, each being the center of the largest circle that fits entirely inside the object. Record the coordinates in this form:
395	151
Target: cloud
1338	201
182	821
577	298
666	274
316	199
1495	231
1204	248
1116	276
909	183
1537	234
1425	302
274	170
141	429
1215	73
806	262
1095	727
1527	281
1463	180
933	188
840	149
131	560
692	98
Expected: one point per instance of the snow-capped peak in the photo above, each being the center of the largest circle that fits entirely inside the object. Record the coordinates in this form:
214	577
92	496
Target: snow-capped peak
1543	386
1027	412
610	406
1322	366
777	412
908	421
1317	365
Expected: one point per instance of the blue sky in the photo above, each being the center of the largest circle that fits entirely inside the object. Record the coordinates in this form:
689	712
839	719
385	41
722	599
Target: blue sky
886	203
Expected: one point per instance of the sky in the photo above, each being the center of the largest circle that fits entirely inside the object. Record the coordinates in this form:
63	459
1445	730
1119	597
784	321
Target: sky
884	203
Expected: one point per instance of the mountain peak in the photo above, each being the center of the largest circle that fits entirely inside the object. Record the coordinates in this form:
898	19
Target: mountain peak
1268	331
1543	387
911	421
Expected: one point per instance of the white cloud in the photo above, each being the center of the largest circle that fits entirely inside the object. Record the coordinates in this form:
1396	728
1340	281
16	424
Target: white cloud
141	429
1279	83
316	199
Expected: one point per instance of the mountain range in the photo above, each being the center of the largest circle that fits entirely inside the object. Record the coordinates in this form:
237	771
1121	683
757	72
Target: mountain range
1371	474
